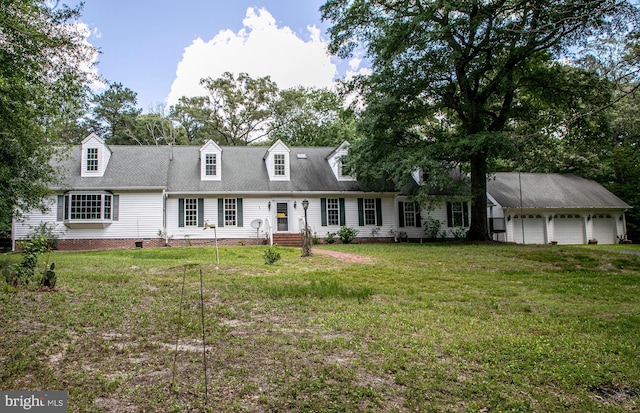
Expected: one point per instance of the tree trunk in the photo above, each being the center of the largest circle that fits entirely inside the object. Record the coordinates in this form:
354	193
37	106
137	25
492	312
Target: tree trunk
478	230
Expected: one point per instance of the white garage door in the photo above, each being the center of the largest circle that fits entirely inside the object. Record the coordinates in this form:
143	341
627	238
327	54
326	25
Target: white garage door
533	229
568	229
604	229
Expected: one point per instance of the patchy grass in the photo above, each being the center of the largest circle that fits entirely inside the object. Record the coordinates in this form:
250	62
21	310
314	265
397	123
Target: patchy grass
433	327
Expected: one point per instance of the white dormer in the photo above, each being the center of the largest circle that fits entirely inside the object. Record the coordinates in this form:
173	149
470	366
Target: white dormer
278	162
95	156
210	161
335	162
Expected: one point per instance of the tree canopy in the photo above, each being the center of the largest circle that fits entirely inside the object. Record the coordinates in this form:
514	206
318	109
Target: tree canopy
42	53
454	81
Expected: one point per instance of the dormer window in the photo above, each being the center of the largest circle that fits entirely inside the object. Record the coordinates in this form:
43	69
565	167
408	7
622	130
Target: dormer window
92	159
95	155
211	164
278	164
336	162
210	161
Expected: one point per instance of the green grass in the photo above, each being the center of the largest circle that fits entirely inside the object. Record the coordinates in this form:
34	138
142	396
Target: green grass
422	328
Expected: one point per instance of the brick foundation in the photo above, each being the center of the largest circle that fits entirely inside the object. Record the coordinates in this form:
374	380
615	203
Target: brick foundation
128	243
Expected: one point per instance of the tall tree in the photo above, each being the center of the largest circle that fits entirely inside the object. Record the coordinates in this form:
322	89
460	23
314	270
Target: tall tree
42	53
240	107
114	114
311	116
194	116
452	78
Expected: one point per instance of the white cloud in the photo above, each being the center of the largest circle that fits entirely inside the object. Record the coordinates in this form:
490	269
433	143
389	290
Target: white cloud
260	48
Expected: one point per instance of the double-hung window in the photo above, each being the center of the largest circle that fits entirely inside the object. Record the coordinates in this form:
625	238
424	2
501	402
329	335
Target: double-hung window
457	214
190	212
409	214
278	164
333	211
92	159
211	164
230	211
369	211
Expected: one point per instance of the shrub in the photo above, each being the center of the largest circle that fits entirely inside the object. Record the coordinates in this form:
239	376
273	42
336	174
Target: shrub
330	238
271	255
432	228
347	234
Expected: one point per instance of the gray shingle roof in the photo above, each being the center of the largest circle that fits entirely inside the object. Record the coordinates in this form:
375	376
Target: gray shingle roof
550	191
243	170
177	169
129	167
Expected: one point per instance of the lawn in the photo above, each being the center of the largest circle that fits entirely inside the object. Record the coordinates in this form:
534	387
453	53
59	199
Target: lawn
420	328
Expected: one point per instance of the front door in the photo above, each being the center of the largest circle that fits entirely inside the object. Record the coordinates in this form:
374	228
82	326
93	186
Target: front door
282	215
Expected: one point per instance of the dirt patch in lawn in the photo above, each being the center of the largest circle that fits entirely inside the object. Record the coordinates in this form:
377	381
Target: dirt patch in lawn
344	256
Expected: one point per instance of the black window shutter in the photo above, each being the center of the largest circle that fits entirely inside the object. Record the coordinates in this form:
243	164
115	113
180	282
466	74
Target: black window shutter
401	214
60	215
323	212
361	212
343	216
379	212
449	214
220	212
465	213
239	222
181	212
200	212
115	207
416	207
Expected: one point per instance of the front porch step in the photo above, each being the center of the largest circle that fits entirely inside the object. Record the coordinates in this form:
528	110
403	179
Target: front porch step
288	240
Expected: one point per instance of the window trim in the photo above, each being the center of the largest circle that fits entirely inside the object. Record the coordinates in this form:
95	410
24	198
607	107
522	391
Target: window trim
92	160
452	213
75	209
210	166
279	164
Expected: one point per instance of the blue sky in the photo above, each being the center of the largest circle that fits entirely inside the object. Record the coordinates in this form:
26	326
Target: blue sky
160	49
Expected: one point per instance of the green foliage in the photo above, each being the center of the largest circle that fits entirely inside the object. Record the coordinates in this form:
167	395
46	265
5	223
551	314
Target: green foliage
453	82
240	106
41	84
115	114
311	117
271	255
194	116
432	228
330	238
322	289
347	234
22	274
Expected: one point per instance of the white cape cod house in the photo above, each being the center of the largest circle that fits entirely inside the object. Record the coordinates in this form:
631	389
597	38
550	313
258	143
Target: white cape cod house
121	196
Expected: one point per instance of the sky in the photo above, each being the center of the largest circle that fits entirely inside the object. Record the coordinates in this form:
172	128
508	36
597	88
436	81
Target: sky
161	49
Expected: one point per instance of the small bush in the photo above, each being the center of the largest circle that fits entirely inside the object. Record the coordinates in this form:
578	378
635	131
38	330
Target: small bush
347	234
271	255
330	238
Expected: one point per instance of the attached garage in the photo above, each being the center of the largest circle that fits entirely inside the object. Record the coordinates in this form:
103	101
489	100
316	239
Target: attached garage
604	229
533	229
568	229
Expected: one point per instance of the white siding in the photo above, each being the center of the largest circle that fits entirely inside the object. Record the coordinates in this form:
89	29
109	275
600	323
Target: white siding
140	217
